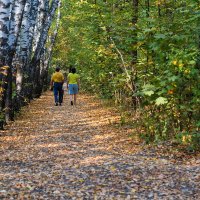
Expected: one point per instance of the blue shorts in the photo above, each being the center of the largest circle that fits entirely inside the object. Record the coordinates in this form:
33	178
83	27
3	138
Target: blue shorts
73	89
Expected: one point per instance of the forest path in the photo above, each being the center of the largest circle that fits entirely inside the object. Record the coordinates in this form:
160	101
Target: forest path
66	152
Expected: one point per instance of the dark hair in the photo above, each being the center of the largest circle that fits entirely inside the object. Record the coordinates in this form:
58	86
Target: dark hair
57	69
70	68
73	70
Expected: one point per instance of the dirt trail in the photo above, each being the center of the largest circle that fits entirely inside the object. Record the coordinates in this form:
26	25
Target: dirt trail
66	152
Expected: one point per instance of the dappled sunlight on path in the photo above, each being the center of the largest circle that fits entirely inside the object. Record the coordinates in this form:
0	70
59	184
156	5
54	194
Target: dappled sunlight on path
67	152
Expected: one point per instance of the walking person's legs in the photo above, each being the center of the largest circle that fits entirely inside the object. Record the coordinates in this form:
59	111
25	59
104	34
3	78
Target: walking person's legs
71	93
71	99
73	90
74	99
75	93
60	93
55	91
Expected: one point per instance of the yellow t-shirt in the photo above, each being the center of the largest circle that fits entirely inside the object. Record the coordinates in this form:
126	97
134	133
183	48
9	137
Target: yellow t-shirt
57	77
73	78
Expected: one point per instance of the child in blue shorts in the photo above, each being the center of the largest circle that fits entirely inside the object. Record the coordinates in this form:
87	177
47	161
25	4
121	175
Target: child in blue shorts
73	85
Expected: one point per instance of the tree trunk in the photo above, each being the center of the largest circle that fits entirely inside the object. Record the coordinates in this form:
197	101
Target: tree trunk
4	28
40	47
48	50
43	8
14	29
24	51
44	34
4	32
134	53
48	54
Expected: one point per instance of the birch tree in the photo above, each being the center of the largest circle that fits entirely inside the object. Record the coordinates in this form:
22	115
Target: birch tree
43	8
4	28
14	26
22	51
24	48
14	29
4	33
43	37
47	55
24	26
35	62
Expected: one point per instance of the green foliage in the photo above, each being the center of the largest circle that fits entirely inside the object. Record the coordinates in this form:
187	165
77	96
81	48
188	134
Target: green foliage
100	39
191	139
161	101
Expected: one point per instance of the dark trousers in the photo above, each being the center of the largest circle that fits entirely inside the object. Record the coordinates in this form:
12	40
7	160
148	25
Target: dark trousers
58	93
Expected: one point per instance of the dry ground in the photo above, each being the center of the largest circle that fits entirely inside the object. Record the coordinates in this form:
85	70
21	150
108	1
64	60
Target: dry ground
66	152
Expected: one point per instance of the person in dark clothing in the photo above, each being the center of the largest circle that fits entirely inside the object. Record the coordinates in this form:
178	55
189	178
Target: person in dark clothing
57	81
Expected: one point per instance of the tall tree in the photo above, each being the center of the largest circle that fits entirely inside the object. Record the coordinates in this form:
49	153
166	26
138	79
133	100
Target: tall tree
134	53
4	28
35	62
14	30
47	55
4	33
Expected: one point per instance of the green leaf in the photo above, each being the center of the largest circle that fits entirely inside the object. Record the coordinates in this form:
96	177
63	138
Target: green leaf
173	78
160	36
161	101
148	93
192	62
148	89
147	30
198	124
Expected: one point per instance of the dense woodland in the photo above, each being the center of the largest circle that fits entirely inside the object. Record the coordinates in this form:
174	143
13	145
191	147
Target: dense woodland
141	54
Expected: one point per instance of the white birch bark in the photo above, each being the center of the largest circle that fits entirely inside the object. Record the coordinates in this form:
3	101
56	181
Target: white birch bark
28	25
22	49
15	25
45	29
4	27
34	13
52	39
43	9
46	57
23	41
36	60
5	10
14	30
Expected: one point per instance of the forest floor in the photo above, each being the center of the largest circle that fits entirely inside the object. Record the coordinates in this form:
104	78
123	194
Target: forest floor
82	152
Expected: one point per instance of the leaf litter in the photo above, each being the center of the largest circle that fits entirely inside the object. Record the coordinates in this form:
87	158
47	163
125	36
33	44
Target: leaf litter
67	152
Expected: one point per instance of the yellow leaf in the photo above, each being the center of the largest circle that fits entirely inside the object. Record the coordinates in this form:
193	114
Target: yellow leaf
5	67
1	90
4	73
112	168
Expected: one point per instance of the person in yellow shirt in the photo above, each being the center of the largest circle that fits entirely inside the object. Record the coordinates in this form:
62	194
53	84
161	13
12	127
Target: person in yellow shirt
73	85
57	81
